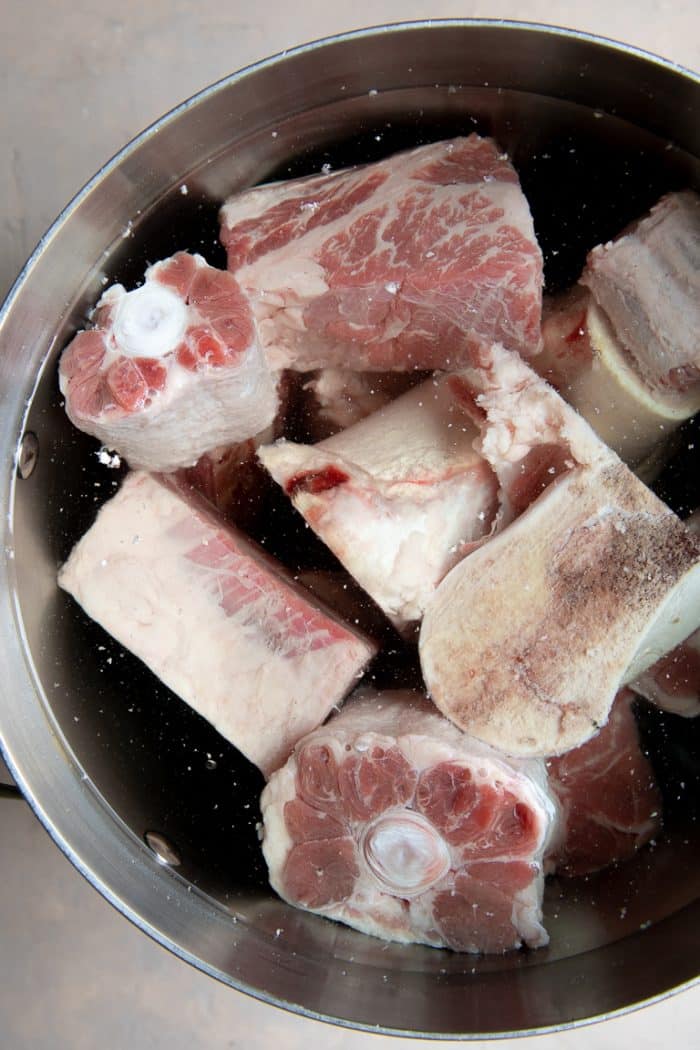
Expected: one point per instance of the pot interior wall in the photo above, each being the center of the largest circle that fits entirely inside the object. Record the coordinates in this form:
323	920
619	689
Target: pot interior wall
160	767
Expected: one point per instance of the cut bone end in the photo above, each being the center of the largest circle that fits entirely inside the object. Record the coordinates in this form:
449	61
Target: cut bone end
583	359
579	594
405	853
150	321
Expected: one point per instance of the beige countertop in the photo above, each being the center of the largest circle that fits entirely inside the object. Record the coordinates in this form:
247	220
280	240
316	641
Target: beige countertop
78	81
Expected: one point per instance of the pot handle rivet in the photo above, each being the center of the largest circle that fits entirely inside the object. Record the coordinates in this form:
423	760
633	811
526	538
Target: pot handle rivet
27	455
164	851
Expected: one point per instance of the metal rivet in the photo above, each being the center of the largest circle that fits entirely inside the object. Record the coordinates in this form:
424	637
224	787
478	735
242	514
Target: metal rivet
28	455
163	850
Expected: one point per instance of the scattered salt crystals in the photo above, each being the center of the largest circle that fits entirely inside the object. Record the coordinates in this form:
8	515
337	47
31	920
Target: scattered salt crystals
430	255
183	189
451	90
645	925
309	206
372	92
377	138
392	287
488	178
274	134
326	168
108	459
597	114
104	279
279	931
128	230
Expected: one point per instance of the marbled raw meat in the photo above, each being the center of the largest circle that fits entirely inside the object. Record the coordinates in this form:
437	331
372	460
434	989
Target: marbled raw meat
171	369
392	821
214	618
610	803
408	263
399	497
525	643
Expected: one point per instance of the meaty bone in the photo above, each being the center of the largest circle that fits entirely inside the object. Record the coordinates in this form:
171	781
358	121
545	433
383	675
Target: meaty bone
526	642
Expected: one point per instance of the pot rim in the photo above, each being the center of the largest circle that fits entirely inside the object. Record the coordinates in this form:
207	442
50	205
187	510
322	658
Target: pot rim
18	657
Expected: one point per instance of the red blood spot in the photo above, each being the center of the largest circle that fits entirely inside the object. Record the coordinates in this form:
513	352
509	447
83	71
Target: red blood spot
372	782
315	481
319	873
305	823
152	371
475	916
578	331
317	778
178	272
127	385
537	470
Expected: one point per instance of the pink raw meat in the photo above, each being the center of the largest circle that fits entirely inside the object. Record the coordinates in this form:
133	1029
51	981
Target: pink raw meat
390	820
399	497
214	617
409	263
610	802
171	369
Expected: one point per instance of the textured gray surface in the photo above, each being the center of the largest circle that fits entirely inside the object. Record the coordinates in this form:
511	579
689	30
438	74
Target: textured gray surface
77	82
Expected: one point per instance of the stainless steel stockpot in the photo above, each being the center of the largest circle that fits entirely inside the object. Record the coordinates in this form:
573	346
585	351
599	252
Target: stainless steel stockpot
144	797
